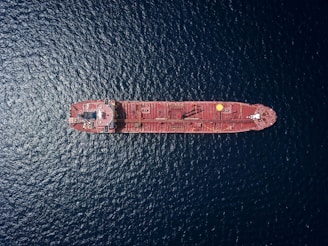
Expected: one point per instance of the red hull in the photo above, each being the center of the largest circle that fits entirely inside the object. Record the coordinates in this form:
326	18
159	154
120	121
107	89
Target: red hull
100	116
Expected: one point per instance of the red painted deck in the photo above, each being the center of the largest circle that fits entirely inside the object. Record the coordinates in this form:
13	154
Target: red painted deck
169	117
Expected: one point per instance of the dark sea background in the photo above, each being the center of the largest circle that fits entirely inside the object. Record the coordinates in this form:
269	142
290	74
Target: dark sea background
63	187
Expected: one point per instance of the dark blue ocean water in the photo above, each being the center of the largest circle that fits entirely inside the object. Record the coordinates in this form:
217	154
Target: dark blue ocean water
62	187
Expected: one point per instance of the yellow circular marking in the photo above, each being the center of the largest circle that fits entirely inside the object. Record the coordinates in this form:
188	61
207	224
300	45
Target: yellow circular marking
219	107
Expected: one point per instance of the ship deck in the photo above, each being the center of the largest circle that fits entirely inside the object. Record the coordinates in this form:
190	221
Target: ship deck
169	117
184	117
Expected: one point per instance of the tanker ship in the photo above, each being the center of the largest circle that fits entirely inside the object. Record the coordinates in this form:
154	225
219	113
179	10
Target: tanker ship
110	116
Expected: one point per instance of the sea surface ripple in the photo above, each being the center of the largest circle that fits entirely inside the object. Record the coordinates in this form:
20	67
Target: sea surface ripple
62	187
